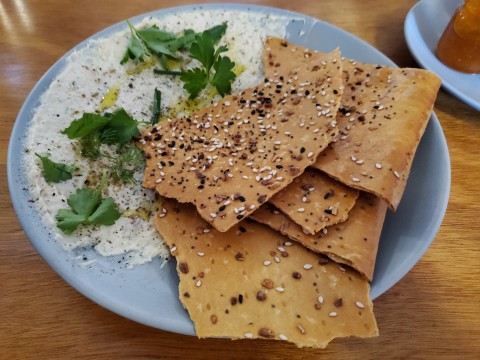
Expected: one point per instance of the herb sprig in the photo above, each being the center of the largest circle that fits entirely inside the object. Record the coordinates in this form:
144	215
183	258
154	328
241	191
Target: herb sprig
87	208
197	79
54	172
216	70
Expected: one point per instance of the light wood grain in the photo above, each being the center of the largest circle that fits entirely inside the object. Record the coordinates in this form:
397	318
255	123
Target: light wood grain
433	312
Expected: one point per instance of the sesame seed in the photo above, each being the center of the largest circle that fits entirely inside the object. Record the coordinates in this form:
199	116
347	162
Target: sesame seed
332	314
267	262
282	249
355	179
198	283
206	230
320	299
307	266
359	305
310	154
301	209
378	165
245	177
227	103
280	289
359	162
300	328
248	335
282	337
396	174
173	249
201	254
288	243
277	259
213	215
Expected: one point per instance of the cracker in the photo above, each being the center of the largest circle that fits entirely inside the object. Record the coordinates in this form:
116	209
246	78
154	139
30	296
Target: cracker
353	242
383	115
252	282
234	155
314	201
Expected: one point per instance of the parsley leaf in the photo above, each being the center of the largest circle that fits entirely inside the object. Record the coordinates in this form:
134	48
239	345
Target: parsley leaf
87	208
197	79
120	128
194	81
87	124
202	50
113	128
224	75
55	172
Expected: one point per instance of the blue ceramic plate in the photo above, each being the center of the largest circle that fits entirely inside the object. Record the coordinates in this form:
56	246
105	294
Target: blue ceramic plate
148	293
424	26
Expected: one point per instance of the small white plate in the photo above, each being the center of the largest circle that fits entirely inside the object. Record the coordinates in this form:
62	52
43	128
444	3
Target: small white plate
424	26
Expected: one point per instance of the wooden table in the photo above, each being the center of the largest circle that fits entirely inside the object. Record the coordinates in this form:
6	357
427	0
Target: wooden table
433	312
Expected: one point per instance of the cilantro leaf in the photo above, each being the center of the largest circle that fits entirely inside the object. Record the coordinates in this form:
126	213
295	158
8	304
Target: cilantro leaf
121	127
136	49
87	208
55	172
87	124
224	76
194	81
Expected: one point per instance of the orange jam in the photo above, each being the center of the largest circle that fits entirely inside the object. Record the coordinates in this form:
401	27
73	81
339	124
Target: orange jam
459	46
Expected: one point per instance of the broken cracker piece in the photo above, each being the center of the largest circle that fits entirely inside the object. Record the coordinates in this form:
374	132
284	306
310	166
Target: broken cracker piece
252	282
353	242
314	201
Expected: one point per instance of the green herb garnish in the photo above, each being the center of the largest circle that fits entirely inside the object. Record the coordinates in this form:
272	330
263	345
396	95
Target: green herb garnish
87	208
164	44
157	104
125	163
112	128
55	172
197	79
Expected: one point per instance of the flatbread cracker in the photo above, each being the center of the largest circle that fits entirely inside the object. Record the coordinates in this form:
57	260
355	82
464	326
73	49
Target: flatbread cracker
231	157
251	282
383	115
353	242
315	200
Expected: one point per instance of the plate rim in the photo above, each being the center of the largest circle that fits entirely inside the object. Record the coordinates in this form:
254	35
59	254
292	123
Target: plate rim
33	100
